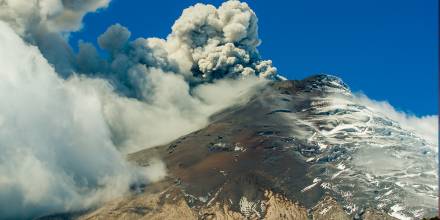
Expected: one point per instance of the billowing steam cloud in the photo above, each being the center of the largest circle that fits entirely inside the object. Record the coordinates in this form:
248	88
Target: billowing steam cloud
425	126
67	120
55	144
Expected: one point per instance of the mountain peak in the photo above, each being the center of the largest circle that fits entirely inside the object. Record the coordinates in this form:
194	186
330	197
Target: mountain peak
327	83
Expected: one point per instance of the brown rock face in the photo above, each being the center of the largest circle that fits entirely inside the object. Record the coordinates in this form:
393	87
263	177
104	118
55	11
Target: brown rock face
171	204
329	209
279	207
152	204
376	215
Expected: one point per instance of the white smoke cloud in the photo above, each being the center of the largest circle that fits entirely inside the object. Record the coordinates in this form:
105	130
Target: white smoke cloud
170	110
57	152
424	126
218	42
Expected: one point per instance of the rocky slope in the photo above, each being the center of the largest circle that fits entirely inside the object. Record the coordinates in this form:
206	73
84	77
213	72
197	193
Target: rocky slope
297	150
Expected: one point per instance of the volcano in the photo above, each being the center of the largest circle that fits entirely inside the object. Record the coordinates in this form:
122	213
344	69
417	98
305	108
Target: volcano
297	149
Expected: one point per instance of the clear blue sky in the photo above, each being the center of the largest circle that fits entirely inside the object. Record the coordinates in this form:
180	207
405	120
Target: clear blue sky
386	48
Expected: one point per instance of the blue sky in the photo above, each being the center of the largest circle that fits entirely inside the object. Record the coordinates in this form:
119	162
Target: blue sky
386	49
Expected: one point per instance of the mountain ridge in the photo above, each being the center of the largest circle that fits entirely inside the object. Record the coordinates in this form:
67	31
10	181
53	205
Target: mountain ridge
285	154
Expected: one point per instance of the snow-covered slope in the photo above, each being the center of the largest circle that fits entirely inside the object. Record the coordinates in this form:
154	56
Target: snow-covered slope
369	159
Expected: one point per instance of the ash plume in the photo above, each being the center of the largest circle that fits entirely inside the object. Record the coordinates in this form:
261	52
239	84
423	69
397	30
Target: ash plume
206	44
